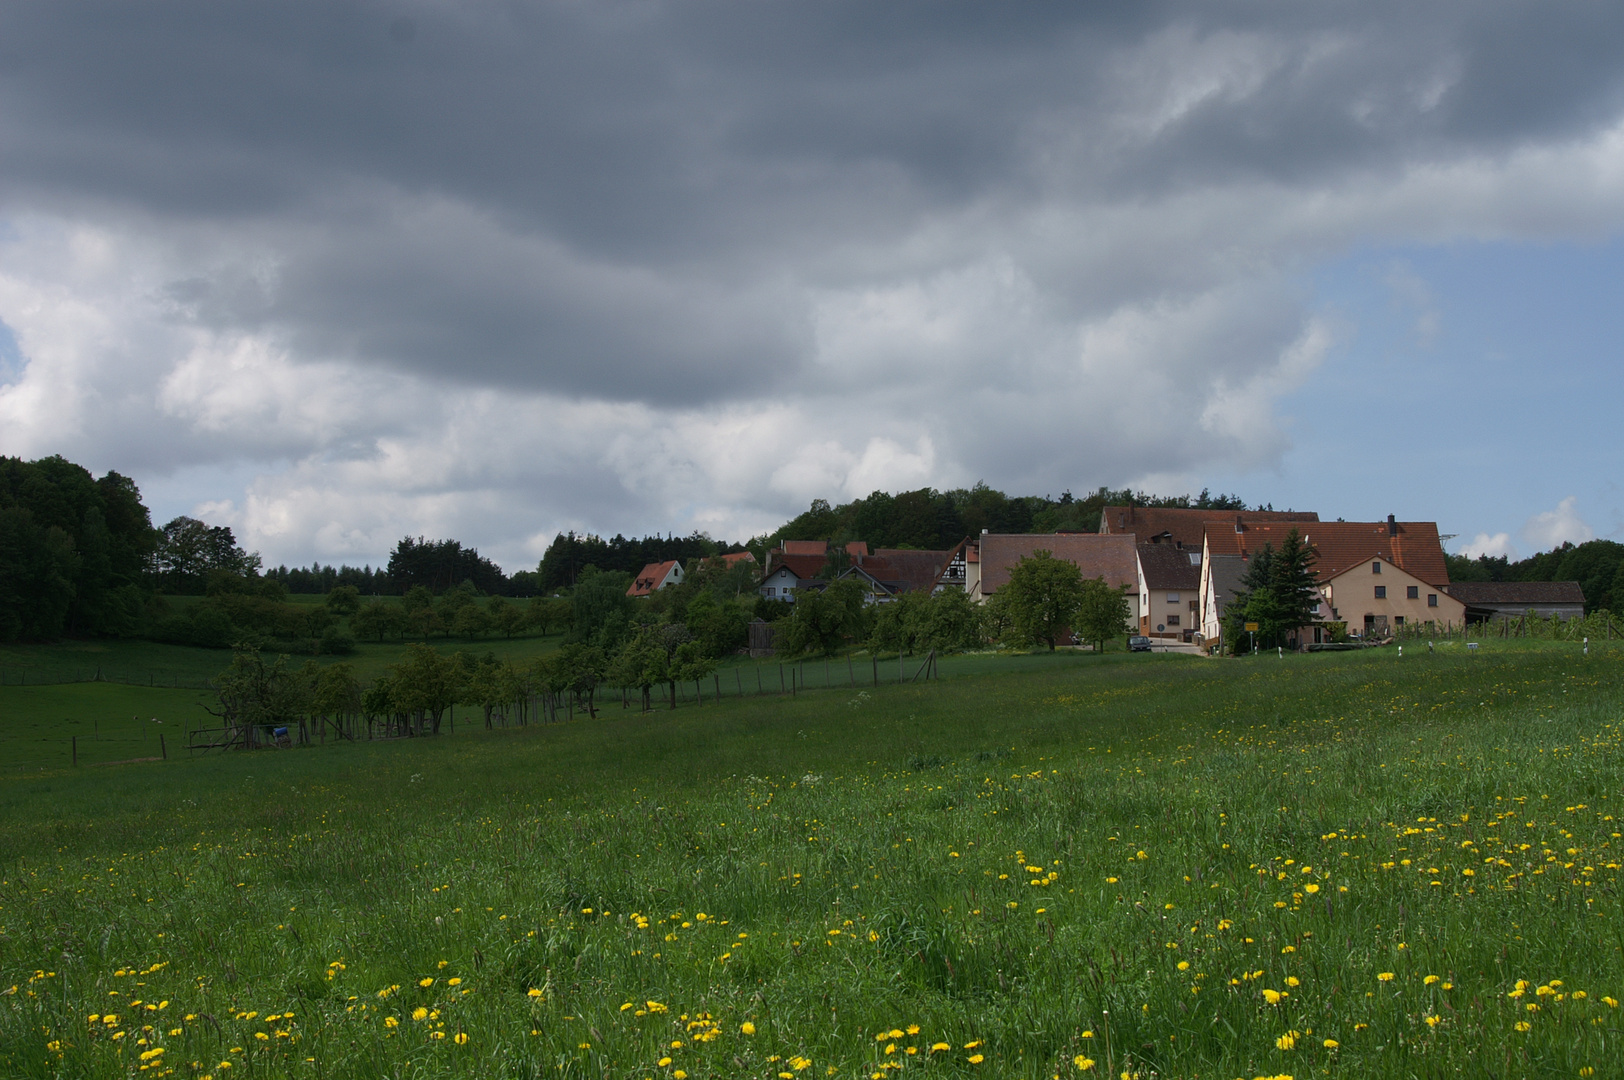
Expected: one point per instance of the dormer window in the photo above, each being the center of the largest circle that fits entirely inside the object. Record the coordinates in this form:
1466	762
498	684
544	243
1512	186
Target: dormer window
1376	566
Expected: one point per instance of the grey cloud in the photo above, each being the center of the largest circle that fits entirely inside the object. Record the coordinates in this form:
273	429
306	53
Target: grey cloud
962	226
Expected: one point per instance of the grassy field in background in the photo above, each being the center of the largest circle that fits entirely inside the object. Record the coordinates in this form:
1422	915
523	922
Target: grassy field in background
1339	865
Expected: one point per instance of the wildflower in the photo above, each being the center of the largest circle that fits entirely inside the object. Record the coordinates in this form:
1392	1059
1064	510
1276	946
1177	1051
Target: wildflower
1385	976
453	982
913	1029
1272	996
1429	980
1434	1020
680	1075
977	1059
1612	1002
972	1045
1184	965
1292	980
1331	1044
1522	1025
1287	1041
663	1062
533	992
425	983
748	1028
461	1039
895	1033
1311	888
391	1022
937	1048
1083	1063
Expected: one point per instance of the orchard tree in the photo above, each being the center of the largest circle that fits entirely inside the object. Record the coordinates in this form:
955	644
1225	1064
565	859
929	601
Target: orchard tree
1103	613
1045	595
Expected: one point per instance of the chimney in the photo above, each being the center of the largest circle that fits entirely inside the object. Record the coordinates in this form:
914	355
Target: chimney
1238	526
1392	526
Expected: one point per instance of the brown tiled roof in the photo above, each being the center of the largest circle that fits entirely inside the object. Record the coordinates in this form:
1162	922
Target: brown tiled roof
1517	592
1412	546
1179	525
805	547
733	558
1108	557
650	577
802	566
1168	567
902	570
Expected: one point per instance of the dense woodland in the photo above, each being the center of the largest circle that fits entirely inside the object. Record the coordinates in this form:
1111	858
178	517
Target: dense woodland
80	556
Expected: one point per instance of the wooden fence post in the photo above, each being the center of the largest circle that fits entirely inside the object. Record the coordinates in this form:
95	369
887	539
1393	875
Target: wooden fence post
163	751
76	750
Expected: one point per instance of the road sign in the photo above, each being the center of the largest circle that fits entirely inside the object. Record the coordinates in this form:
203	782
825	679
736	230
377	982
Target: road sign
1251	627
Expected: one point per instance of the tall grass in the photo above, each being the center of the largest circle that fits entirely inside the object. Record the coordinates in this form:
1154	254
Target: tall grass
1340	864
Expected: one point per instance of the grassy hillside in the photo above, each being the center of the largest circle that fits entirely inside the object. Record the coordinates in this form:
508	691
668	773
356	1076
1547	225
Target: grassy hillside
1341	864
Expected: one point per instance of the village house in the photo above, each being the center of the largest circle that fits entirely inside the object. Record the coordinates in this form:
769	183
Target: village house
1374	577
889	572
1110	558
1169	590
654	577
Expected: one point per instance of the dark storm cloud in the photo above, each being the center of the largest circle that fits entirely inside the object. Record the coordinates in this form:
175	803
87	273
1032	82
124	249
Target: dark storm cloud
643	185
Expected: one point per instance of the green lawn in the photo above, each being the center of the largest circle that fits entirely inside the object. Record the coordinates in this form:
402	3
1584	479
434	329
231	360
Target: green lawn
1343	865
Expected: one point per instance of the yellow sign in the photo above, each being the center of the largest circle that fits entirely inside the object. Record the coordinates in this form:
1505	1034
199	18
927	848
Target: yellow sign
1251	626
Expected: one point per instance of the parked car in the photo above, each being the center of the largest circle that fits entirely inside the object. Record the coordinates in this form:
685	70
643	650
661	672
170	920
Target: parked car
1139	643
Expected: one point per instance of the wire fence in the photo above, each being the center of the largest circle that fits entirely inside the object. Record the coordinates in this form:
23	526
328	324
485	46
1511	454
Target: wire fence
60	676
110	742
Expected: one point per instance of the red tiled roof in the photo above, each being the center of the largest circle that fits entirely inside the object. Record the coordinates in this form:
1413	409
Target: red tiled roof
805	547
648	580
1108	557
1412	546
733	558
1182	525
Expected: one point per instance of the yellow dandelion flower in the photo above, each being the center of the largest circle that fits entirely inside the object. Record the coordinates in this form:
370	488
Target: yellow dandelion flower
1385	976
977	1059
748	1028
1288	1041
1083	1063
937	1048
1331	1044
461	1039
420	1014
663	1062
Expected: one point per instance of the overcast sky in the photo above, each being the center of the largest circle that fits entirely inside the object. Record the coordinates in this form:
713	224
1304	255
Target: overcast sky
333	273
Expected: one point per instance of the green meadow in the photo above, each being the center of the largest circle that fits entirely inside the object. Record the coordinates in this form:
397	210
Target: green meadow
1347	864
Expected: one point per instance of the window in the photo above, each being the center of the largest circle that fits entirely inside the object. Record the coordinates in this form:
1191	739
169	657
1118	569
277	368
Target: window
1381	592
1412	592
1172	620
1398	620
1432	599
1172	598
1192	606
1376	567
